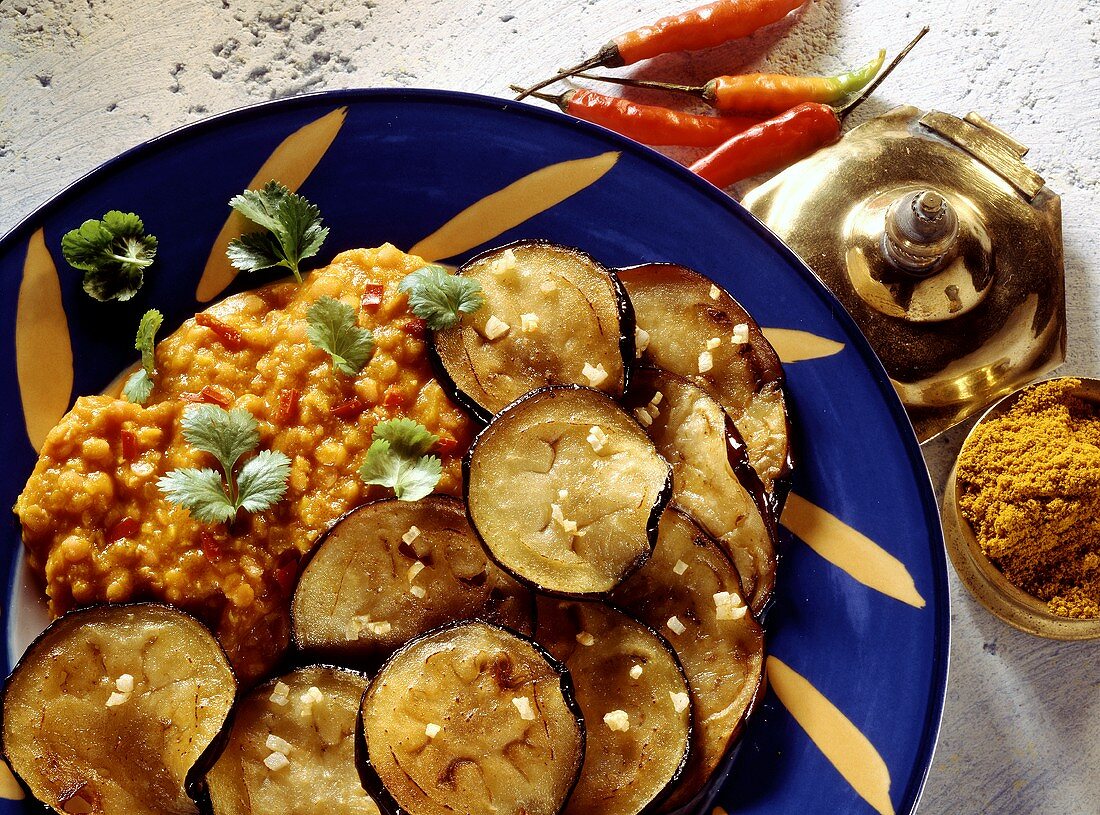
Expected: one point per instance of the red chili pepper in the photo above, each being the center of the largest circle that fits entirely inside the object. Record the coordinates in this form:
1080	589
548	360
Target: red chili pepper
416	328
702	27
372	296
784	139
446	445
129	445
764	93
349	408
288	406
208	395
230	337
126	528
210	545
648	124
394	397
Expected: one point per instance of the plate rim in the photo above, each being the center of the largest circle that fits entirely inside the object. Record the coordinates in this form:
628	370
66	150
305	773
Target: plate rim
349	96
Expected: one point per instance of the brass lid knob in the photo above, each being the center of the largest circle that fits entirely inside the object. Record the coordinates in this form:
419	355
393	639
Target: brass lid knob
921	232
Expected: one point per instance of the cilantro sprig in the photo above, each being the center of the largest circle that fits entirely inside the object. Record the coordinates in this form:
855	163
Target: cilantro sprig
113	253
294	230
332	327
440	298
139	386
397	459
227	435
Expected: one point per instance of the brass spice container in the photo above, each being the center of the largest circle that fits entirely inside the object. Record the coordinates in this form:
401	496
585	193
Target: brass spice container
945	248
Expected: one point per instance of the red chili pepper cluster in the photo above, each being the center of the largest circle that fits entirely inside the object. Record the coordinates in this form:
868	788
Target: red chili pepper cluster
745	141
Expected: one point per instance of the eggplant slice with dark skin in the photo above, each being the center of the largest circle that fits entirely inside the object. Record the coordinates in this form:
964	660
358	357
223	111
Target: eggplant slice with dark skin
635	700
389	571
712	479
291	749
470	719
565	490
552	316
688	591
118	710
679	314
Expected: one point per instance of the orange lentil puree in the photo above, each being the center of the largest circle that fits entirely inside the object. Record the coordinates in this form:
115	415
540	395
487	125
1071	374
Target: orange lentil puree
96	527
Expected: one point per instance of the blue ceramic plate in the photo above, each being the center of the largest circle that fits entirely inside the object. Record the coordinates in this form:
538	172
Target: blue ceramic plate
869	669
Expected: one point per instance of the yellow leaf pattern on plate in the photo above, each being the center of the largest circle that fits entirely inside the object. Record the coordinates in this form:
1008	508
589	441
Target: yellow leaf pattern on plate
850	550
290	164
43	348
847	749
795	346
509	207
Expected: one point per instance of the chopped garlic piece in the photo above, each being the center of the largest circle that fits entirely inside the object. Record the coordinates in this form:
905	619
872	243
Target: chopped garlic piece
586	639
116	699
379	629
281	694
636	672
432	730
643	416
411	535
675	626
658	397
563	494
312	696
548	285
125	683
597	438
276	762
418	591
596	376
715	292
528	323
706	361
641	341
680	701
680	567
495	327
559	518
355	627
523	705
729	606
740	334
713	343
414	570
505	263
617	720
277	745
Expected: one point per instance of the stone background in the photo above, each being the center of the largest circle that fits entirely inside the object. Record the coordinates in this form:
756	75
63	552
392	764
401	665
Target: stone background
81	80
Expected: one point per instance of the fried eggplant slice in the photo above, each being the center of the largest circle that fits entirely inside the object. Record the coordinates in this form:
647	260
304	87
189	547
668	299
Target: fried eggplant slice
292	748
635	700
552	316
688	591
117	710
680	313
389	571
470	719
565	490
711	476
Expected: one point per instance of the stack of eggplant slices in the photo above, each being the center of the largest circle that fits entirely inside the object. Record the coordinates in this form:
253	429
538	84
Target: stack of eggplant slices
602	659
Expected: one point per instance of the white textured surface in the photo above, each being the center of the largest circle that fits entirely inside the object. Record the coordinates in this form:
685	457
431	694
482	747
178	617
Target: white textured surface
81	80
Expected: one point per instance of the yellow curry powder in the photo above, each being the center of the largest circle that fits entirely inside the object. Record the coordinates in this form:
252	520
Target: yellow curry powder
1029	485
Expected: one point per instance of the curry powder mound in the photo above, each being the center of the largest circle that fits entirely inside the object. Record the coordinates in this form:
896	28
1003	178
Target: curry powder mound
1029	485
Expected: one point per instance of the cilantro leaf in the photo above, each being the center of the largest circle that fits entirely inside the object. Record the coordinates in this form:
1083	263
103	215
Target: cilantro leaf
441	298
262	481
113	253
227	435
294	230
333	328
139	385
396	459
200	492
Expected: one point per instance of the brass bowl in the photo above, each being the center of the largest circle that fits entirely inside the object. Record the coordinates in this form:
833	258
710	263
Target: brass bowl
982	578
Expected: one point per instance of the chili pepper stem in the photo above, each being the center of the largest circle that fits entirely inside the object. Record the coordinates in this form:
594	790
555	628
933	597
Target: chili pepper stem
695	90
605	58
554	99
842	112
